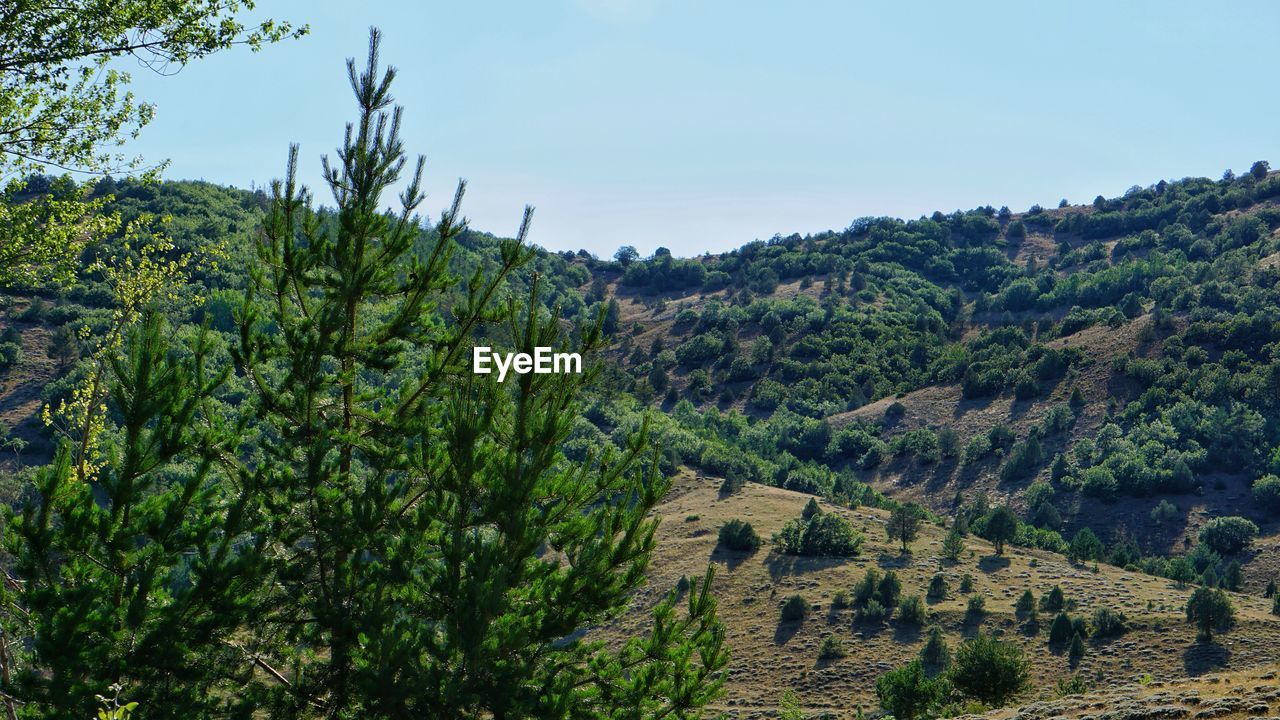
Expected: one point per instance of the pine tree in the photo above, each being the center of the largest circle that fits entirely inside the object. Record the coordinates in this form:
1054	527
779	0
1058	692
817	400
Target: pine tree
1075	652
418	512
953	545
136	564
904	523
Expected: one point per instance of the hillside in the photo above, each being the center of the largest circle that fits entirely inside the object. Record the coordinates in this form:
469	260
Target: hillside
770	656
1110	372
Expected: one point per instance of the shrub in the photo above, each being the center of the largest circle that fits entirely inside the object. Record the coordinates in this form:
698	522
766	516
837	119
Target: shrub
953	545
1026	604
1075	651
1267	492
937	587
989	670
1060	630
966	584
873	612
911	611
840	600
1164	511
889	589
935	652
826	534
739	535
1054	600
1210	609
977	605
1228	534
795	608
1108	622
832	648
908	692
1086	546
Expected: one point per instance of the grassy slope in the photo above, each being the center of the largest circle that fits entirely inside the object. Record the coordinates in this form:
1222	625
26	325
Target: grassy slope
769	657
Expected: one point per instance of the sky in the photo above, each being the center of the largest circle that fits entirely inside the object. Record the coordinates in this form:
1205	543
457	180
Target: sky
701	125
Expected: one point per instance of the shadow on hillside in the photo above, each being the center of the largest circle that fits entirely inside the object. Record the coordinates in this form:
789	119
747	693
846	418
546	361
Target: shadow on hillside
905	633
731	558
781	566
967	405
785	631
894	562
972	623
942	473
992	563
1204	657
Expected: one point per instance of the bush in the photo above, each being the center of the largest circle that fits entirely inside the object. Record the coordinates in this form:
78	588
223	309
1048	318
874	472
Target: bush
966	584
1026	605
826	534
1163	512
1266	491
935	652
739	535
1054	600
832	648
889	589
989	670
795	608
1108	623
937	587
908	692
977	605
911	611
1061	630
1228	534
873	612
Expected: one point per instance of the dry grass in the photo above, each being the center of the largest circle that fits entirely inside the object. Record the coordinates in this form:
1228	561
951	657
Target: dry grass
768	657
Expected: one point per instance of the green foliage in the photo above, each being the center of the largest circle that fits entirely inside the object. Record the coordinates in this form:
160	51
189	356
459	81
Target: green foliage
1061	629
1025	605
1000	526
69	103
1163	512
937	587
1054	600
1076	649
908	692
935	653
953	544
1209	609
831	648
1266	491
976	605
1108	623
160	502
738	535
911	610
904	523
824	534
1229	534
1085	545
989	670
794	609
966	584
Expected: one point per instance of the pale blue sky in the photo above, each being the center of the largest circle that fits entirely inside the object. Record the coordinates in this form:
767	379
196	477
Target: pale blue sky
701	125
